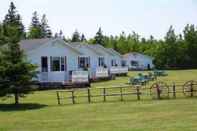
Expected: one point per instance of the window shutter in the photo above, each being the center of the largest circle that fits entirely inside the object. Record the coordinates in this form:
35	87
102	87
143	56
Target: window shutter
51	63
65	62
78	62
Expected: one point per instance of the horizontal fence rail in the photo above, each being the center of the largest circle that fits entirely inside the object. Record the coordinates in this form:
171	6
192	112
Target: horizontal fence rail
158	90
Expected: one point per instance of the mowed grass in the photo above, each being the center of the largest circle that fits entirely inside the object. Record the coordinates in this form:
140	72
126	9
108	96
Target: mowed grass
40	111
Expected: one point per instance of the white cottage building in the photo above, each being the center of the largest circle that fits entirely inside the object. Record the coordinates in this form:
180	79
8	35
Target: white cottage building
119	68
91	59
117	57
55	58
111	59
138	61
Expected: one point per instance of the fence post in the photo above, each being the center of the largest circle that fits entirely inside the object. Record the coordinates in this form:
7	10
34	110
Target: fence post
89	95
138	92
121	96
58	98
191	89
73	97
104	94
174	90
158	92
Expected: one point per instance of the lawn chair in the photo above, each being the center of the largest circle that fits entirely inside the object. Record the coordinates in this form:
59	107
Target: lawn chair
134	81
151	76
143	78
160	73
163	73
156	73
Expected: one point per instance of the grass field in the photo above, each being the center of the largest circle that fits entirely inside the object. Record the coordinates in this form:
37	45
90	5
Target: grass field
40	111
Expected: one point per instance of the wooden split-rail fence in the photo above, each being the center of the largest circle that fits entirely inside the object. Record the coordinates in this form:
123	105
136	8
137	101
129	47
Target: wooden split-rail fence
158	90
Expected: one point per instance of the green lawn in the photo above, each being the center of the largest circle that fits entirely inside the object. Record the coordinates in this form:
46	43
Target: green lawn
41	112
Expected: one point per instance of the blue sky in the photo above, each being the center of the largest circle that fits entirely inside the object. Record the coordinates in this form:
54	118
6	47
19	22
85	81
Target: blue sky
146	17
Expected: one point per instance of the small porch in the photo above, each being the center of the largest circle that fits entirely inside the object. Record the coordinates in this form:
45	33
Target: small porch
119	70
101	73
53	69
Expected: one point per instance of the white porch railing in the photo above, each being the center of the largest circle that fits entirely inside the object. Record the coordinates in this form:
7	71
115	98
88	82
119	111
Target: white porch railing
123	70
80	77
102	72
139	67
57	76
119	70
43	77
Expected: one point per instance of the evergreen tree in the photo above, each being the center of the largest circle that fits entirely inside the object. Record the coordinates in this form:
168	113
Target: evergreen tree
2	38
60	35
76	37
56	35
16	73
35	20
170	48
166	55
99	38
135	42
112	43
83	38
45	29
66	39
151	40
190	36
12	18
35	30
170	37
143	40
122	44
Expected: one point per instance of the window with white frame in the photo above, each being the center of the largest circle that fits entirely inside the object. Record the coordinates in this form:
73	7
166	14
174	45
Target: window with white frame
134	63
58	63
123	62
84	62
101	61
113	62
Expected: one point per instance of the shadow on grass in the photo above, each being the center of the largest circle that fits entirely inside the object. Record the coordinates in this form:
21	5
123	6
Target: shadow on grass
21	107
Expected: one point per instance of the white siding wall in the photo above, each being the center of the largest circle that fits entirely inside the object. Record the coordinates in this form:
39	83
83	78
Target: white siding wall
93	59
119	61
141	59
109	58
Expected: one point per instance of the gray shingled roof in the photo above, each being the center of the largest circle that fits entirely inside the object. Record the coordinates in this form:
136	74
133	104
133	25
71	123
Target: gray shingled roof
115	52
136	53
78	45
32	44
28	45
101	48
